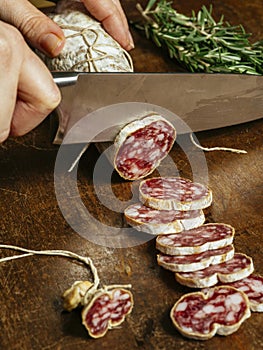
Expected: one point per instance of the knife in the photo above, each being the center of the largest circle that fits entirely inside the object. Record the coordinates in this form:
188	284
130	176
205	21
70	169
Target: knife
95	106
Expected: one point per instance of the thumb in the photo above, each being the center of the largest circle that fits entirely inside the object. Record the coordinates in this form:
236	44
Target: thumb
39	30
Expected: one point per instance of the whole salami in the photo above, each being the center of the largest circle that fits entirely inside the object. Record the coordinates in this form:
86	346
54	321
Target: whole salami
174	193
200	316
88	47
156	222
141	145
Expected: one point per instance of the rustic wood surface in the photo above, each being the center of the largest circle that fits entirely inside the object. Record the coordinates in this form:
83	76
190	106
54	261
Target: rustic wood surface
31	314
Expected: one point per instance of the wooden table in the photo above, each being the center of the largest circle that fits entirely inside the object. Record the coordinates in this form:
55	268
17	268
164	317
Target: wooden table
31	313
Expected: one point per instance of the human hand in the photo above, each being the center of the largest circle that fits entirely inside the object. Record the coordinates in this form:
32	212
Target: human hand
28	93
26	86
45	35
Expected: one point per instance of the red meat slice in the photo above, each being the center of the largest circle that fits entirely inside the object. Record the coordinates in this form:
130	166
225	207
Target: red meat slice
197	240
195	262
156	222
141	145
106	310
166	193
200	316
240	266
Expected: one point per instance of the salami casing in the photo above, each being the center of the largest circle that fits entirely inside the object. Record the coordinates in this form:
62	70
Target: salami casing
195	262
200	316
156	222
106	310
141	145
177	193
197	240
88	47
240	266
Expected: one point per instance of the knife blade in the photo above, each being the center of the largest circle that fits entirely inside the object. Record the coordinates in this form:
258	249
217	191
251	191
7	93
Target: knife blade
97	105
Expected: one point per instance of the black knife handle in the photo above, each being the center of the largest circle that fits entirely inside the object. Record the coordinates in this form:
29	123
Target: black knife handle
65	78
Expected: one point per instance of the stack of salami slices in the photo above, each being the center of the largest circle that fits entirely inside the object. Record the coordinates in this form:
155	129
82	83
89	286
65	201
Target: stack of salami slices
201	256
168	205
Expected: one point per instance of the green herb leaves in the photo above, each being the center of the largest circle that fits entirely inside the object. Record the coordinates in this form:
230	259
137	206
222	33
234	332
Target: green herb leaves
200	43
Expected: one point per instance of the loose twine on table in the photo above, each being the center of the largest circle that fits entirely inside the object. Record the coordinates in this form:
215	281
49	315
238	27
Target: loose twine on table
67	254
212	149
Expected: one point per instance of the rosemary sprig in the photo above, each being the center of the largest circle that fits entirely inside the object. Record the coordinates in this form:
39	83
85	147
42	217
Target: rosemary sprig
199	43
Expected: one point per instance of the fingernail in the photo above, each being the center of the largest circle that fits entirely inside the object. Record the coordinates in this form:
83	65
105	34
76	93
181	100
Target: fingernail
131	42
51	44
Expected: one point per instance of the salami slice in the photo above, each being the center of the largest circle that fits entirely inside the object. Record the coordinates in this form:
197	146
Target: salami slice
197	240
166	193
252	286
141	145
240	266
200	316
156	222
106	310
195	262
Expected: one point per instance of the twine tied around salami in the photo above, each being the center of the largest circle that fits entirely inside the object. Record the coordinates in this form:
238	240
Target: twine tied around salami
88	47
104	307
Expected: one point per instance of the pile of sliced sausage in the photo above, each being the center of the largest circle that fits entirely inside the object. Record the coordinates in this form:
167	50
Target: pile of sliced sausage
201	256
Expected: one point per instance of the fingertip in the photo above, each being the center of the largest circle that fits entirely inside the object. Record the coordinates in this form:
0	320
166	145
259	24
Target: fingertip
130	44
51	44
4	135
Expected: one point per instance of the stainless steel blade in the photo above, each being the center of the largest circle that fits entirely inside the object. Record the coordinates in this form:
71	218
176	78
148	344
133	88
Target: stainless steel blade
193	102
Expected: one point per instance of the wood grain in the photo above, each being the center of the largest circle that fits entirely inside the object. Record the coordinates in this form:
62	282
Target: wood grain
31	315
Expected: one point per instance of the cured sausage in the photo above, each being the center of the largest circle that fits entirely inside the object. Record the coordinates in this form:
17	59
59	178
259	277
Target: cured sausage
167	193
106	310
221	310
156	222
197	240
240	266
88	47
141	145
195	262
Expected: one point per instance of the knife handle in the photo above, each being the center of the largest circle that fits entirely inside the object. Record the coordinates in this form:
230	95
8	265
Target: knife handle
65	78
